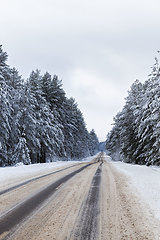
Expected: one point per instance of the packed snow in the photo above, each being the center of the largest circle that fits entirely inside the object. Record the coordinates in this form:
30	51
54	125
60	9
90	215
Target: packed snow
146	180
21	171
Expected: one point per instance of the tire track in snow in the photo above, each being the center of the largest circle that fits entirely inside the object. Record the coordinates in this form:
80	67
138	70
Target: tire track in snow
87	226
34	179
20	212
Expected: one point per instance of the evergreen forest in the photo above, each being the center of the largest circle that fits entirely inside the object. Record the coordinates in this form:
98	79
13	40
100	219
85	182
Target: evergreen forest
38	123
135	136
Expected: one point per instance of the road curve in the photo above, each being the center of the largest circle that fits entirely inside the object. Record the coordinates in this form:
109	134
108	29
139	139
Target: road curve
89	202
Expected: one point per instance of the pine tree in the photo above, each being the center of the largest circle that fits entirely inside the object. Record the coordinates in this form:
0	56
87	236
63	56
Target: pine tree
48	128
136	130
93	142
5	108
37	120
21	153
148	128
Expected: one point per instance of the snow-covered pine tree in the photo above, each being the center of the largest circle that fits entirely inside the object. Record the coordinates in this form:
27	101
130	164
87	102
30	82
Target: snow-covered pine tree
48	128
81	135
55	96
16	85
69	127
149	130
46	86
53	125
21	153
15	81
136	130
5	109
93	142
114	140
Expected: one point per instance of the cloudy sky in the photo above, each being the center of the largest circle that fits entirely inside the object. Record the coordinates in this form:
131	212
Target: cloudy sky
97	47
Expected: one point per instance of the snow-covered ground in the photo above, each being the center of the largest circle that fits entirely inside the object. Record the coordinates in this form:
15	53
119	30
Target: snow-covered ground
11	174
24	170
146	180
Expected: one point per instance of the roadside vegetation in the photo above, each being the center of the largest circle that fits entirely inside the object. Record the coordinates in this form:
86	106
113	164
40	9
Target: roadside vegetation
135	137
38	123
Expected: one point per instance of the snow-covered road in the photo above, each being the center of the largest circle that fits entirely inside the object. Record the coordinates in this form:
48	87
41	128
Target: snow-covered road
9	176
145	182
113	199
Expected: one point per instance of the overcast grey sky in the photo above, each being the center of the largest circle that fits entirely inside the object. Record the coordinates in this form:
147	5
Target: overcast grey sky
97	47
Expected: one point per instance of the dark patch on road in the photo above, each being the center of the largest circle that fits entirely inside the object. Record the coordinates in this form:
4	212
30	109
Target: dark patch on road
87	226
34	179
20	212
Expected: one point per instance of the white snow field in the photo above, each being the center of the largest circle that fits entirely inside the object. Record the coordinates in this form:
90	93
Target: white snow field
146	181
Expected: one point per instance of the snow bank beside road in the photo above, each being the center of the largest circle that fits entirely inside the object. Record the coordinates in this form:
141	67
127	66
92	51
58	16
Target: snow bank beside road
19	170
11	175
147	182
